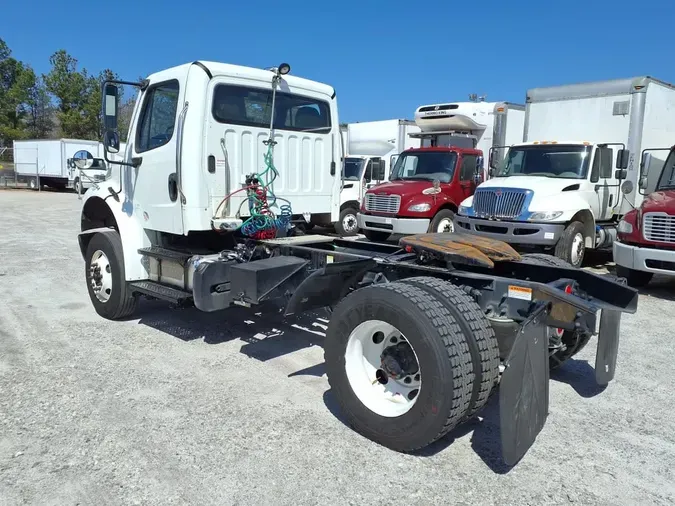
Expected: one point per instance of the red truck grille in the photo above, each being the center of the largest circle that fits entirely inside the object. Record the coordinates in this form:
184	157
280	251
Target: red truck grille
659	227
383	203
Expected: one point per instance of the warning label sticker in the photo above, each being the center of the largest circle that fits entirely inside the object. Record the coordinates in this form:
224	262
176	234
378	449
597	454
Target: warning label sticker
519	292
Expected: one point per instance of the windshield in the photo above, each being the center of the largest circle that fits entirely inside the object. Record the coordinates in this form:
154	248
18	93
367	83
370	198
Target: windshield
427	166
667	178
553	160
353	168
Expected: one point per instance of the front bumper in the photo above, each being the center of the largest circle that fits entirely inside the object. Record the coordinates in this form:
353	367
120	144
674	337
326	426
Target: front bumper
402	226
658	261
514	232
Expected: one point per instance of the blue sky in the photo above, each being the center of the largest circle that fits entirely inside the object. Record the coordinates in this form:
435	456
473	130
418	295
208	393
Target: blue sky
384	58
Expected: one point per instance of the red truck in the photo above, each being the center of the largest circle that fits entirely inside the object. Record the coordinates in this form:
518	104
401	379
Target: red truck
425	188
645	242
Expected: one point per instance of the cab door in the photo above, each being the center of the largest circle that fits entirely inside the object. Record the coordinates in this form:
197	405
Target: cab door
154	187
606	187
467	172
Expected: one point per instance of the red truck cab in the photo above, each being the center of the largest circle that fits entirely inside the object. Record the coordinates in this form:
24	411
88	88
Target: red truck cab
425	187
645	242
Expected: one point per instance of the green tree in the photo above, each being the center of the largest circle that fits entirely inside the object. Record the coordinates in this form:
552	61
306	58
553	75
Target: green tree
16	82
71	90
41	122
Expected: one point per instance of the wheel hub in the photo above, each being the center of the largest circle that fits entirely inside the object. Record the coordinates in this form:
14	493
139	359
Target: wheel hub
398	361
100	276
349	222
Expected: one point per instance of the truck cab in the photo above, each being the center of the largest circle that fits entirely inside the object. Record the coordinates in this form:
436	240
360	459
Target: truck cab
360	173
425	187
560	195
646	235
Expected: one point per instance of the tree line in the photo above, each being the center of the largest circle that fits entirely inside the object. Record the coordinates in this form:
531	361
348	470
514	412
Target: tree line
65	102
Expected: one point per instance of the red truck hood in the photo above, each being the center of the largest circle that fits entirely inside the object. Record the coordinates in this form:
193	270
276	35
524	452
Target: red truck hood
402	188
661	201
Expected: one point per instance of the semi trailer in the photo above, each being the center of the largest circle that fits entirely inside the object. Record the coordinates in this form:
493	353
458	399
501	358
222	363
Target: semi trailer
422	333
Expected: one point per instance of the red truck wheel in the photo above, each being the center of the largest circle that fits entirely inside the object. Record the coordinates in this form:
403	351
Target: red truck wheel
443	222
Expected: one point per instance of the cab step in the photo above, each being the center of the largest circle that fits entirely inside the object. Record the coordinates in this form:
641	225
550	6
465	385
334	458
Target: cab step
159	291
159	253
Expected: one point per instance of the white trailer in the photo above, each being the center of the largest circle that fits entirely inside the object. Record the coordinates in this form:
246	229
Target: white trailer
558	190
480	125
49	163
371	149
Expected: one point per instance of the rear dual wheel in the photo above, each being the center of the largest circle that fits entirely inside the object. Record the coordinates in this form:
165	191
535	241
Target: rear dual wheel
409	361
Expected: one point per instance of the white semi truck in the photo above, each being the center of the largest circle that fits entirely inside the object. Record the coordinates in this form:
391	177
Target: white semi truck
558	190
194	215
49	163
370	148
476	124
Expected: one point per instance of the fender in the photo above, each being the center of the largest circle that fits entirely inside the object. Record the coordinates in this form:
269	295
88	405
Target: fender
101	214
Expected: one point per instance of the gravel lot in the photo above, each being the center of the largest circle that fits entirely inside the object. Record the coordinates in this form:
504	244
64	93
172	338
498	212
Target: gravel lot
181	407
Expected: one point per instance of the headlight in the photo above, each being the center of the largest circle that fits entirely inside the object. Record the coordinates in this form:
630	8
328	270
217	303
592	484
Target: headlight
545	215
463	210
624	227
419	208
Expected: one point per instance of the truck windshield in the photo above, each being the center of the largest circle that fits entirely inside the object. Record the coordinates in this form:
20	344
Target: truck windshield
547	160
428	166
353	167
667	178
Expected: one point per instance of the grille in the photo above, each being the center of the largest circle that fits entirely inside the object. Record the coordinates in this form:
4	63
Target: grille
659	227
508	204
383	203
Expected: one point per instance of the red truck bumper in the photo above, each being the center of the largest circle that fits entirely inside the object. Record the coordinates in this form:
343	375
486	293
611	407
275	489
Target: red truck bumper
658	261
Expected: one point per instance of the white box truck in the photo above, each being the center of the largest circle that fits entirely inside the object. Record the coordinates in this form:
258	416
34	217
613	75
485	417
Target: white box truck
49	163
371	148
559	190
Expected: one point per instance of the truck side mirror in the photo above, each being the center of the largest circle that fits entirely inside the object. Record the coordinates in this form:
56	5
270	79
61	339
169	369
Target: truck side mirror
111	139
491	160
644	164
83	159
622	159
620	174
642	184
378	170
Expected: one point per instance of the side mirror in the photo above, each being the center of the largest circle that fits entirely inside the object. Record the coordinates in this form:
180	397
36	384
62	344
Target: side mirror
491	160
622	159
620	174
378	170
645	163
627	187
642	184
83	159
111	140
479	165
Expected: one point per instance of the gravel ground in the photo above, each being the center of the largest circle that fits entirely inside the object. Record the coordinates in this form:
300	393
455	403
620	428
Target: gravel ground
180	407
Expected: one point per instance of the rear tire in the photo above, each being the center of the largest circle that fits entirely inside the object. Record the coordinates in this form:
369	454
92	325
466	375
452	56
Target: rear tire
347	224
634	278
441	352
375	236
571	246
106	283
477	330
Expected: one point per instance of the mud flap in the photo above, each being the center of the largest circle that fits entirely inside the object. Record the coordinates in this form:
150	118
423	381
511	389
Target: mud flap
524	391
608	346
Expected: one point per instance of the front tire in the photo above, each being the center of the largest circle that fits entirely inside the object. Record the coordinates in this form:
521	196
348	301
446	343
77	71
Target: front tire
347	225
431	392
571	246
443	222
106	283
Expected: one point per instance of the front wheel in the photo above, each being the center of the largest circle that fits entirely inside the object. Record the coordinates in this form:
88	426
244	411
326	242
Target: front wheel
398	365
105	277
443	222
347	225
571	246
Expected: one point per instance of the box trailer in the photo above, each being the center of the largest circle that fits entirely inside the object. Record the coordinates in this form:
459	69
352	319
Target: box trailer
49	163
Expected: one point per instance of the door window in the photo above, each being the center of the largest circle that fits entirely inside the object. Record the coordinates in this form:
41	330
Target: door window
158	117
468	167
